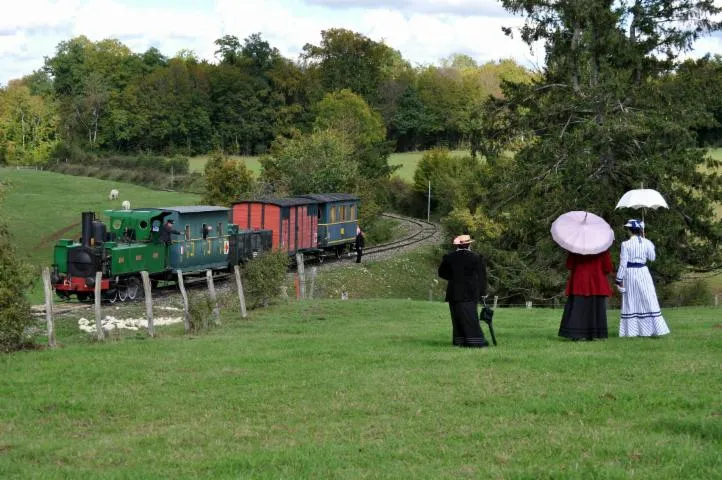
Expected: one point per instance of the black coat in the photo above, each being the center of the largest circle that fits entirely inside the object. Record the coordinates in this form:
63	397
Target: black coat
360	241
166	231
466	273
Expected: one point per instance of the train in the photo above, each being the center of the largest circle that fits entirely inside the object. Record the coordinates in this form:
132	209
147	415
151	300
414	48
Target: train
209	238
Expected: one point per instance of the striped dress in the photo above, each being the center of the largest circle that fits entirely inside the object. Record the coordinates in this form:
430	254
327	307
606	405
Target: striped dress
641	316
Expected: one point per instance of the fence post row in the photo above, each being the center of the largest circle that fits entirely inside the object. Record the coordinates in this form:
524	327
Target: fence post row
98	314
148	302
182	288
49	306
314	272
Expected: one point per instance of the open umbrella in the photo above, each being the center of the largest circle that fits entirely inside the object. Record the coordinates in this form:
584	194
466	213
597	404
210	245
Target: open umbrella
582	232
642	198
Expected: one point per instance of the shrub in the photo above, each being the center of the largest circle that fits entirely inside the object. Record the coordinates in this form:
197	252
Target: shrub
200	309
686	294
15	279
263	276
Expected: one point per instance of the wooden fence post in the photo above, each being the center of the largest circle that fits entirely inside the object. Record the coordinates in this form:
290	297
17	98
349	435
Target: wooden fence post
716	300
496	300
49	306
98	315
528	304
184	294
314	272
148	302
241	295
214	299
301	275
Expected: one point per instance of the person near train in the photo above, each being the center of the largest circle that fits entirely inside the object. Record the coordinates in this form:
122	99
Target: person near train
641	315
360	244
167	231
465	272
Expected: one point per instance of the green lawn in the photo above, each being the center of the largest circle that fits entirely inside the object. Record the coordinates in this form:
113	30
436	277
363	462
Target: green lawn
367	389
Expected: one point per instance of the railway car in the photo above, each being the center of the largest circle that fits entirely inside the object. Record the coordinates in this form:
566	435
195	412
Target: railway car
337	221
130	243
294	221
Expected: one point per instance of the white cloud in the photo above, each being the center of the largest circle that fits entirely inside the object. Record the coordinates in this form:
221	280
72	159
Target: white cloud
424	31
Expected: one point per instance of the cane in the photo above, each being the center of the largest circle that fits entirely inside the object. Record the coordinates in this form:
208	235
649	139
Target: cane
487	315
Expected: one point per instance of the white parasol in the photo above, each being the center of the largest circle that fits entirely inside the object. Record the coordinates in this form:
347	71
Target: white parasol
582	232
642	198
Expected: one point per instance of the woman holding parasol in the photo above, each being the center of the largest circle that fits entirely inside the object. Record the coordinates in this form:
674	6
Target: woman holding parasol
587	238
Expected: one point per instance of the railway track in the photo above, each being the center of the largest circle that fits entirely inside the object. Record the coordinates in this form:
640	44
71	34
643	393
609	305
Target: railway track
419	231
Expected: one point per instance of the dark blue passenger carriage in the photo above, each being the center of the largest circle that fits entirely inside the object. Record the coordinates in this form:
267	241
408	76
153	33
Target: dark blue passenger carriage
337	220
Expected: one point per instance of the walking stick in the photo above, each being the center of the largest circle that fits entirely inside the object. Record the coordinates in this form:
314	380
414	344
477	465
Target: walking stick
487	316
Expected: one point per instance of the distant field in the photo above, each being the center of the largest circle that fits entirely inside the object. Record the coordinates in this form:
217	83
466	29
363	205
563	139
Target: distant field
407	162
364	389
197	164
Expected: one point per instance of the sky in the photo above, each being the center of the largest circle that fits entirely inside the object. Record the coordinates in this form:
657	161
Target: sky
424	31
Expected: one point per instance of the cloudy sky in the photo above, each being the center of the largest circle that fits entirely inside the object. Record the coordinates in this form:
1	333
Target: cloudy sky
423	30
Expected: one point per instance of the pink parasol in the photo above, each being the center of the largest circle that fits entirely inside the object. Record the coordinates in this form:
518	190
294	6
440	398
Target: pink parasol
582	232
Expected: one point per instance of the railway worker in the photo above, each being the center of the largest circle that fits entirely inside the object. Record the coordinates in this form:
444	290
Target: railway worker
360	244
465	272
641	315
167	231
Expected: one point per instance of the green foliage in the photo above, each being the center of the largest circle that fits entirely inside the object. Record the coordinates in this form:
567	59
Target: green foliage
263	277
319	162
687	293
200	309
15	279
226	180
350	114
605	116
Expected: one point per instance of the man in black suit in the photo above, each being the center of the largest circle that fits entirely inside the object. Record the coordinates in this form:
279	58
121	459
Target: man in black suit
465	272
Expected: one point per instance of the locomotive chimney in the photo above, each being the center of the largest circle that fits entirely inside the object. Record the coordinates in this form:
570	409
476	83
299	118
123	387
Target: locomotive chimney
87	225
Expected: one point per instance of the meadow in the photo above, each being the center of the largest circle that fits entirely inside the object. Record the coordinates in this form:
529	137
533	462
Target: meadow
367	389
406	162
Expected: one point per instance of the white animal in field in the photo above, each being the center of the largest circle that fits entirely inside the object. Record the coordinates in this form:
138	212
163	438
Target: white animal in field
113	195
126	204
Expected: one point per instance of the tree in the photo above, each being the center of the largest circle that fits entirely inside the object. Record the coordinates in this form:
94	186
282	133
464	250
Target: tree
347	59
316	163
226	180
603	117
15	279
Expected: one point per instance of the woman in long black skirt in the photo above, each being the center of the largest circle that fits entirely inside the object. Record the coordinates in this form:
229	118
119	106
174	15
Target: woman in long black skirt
585	313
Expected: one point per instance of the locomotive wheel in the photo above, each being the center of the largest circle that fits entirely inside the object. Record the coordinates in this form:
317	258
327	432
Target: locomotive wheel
112	296
339	252
321	257
83	296
133	288
122	293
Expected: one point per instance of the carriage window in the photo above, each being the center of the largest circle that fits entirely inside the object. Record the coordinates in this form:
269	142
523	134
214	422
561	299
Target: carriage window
332	211
353	212
204	231
219	233
343	212
188	232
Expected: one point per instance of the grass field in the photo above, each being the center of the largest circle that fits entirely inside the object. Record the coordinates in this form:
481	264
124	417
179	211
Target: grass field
367	389
406	161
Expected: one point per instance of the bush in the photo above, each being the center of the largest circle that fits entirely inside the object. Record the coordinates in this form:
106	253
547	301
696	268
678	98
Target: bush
200	309
263	276
15	279
686	294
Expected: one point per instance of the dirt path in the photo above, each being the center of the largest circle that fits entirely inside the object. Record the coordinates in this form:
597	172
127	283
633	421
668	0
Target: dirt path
55	236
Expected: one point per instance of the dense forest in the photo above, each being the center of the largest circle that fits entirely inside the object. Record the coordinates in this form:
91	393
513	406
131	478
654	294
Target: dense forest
101	96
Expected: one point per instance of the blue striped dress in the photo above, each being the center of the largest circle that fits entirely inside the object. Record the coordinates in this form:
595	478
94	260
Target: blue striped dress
641	315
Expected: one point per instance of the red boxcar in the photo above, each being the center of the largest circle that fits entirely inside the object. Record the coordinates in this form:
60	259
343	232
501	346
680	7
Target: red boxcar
294	221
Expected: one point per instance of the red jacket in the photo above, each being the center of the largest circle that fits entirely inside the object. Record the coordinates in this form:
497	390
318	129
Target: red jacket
589	274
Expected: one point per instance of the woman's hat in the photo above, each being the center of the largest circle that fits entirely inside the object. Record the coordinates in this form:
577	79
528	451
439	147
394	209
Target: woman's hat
463	240
634	223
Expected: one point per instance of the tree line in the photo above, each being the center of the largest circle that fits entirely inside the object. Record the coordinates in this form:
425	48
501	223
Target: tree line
101	96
